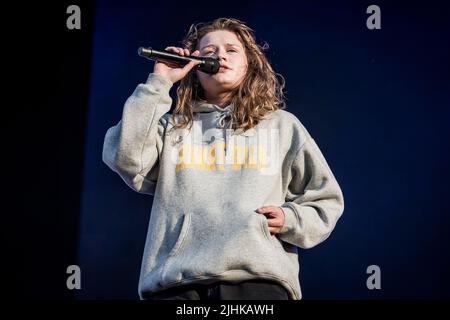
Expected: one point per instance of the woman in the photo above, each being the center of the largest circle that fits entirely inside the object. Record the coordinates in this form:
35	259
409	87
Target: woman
238	182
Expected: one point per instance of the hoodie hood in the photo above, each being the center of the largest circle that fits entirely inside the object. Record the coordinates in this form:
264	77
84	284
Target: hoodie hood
223	115
214	116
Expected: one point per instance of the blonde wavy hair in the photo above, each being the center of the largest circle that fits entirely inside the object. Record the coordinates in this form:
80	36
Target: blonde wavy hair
259	93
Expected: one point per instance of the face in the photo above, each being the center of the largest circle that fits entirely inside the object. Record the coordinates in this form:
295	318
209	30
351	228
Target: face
225	46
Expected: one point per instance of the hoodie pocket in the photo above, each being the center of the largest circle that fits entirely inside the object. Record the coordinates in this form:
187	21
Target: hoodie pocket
265	230
211	244
182	235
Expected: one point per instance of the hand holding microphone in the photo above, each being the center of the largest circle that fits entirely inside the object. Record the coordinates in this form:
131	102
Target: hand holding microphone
175	66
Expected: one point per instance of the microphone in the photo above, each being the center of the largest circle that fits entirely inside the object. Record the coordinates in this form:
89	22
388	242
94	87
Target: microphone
209	65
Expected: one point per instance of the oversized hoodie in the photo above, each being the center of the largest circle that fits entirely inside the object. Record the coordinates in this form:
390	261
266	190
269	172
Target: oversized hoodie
208	180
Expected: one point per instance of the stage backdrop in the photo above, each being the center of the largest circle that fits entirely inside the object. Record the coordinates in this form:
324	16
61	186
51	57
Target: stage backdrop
376	102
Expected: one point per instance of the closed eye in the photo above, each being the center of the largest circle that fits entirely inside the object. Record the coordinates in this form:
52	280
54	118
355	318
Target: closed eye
229	50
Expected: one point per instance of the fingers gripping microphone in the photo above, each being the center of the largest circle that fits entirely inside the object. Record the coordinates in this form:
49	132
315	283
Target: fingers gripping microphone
209	65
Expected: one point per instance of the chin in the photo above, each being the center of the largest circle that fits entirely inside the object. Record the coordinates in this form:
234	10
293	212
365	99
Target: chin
226	81
220	83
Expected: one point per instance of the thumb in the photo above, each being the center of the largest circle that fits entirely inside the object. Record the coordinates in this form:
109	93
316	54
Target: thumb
261	210
266	209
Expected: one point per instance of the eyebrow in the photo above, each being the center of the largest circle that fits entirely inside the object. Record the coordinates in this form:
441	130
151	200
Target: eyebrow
228	44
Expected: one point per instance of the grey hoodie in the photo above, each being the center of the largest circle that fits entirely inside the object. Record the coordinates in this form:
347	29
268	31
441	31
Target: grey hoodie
208	180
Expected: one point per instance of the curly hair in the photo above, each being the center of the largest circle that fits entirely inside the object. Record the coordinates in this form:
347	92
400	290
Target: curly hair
259	93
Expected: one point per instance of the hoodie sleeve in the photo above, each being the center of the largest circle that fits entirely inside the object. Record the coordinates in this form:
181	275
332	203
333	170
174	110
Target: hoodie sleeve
314	200
133	147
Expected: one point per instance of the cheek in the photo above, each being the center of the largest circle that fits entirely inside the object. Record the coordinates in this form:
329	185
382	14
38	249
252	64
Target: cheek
242	70
242	65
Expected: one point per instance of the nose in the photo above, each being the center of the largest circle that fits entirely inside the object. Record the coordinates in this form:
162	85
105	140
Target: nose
221	55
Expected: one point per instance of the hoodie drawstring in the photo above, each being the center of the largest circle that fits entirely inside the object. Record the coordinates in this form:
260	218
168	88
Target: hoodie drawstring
223	115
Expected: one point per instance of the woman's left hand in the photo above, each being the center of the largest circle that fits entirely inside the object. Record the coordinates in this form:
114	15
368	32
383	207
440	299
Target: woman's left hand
275	218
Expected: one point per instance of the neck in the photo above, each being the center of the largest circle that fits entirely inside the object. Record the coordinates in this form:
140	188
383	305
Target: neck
220	99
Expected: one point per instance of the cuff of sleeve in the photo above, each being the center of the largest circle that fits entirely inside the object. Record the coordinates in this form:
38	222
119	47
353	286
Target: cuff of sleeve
159	82
290	219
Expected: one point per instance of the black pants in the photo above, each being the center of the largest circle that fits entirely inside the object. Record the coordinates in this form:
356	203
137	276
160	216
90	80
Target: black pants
247	290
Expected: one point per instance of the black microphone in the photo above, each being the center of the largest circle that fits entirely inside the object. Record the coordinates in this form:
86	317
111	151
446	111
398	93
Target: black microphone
209	65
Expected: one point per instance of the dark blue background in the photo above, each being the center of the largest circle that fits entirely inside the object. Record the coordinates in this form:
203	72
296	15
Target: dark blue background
376	101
